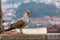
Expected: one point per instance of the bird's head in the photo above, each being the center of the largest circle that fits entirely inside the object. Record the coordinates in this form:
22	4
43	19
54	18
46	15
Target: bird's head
27	12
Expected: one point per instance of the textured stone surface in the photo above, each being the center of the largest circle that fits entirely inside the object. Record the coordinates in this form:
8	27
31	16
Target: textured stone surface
23	37
53	36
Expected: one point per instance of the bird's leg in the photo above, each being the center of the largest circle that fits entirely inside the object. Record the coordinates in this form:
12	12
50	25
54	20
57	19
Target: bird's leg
21	32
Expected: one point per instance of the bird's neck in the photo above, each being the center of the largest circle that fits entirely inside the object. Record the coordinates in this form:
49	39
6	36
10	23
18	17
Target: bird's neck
26	18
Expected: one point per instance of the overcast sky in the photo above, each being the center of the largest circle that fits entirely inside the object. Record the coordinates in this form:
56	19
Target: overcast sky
33	0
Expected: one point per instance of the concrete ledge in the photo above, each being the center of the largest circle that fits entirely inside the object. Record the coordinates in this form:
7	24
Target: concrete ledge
23	37
53	36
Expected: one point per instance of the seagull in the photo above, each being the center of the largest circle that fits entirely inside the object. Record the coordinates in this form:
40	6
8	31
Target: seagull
20	23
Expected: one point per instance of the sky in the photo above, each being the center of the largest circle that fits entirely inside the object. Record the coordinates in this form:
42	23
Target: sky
4	0
33	0
16	5
37	1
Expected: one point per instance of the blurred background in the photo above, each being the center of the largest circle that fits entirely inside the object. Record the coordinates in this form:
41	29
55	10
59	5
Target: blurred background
44	13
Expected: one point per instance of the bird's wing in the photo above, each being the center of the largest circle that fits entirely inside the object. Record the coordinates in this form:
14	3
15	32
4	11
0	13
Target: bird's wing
15	25
19	23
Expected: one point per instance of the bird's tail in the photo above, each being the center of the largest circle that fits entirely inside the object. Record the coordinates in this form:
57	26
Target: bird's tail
9	29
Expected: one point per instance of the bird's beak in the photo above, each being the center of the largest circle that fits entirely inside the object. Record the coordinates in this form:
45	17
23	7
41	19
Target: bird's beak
28	13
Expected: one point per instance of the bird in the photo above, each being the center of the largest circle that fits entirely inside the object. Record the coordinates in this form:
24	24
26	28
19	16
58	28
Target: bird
21	22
